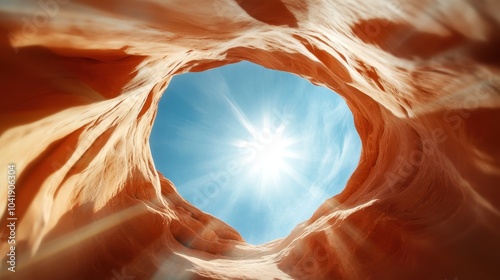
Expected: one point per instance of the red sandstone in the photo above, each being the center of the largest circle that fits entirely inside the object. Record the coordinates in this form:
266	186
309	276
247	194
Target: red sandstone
81	81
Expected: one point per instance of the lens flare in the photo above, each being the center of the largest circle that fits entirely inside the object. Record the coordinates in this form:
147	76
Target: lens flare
270	155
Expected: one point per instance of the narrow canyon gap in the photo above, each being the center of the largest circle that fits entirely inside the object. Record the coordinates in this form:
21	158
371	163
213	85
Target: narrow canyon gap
81	82
259	149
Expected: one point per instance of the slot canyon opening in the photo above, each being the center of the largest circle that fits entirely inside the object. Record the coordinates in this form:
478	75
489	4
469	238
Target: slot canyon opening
259	149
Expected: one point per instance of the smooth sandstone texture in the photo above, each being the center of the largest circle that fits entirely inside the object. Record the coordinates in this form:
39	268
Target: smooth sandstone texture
81	81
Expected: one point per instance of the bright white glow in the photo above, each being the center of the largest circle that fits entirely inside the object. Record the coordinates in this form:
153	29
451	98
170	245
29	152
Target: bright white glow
269	159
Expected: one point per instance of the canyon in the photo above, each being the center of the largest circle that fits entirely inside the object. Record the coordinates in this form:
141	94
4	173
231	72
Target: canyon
81	81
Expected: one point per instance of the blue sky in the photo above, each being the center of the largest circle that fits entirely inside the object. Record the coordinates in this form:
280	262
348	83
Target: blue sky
257	148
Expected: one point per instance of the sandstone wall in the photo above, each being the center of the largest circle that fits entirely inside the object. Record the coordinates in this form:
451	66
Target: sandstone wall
81	81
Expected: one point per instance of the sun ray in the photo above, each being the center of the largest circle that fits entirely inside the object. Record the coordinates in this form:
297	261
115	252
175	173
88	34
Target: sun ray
240	116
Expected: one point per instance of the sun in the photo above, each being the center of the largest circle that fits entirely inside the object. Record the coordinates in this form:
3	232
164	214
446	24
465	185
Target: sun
269	157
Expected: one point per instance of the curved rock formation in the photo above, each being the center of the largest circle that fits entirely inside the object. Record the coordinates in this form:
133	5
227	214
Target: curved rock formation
81	82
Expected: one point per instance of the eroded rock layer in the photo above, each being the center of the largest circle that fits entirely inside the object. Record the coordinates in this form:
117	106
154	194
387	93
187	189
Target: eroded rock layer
81	81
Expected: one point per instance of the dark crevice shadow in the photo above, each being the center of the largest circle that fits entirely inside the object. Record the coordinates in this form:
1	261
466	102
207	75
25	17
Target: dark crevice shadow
272	12
70	77
405	41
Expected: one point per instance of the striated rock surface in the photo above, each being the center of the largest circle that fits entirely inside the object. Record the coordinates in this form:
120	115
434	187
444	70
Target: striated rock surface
80	85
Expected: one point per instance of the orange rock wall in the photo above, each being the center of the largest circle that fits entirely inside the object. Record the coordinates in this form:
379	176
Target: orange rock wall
81	81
